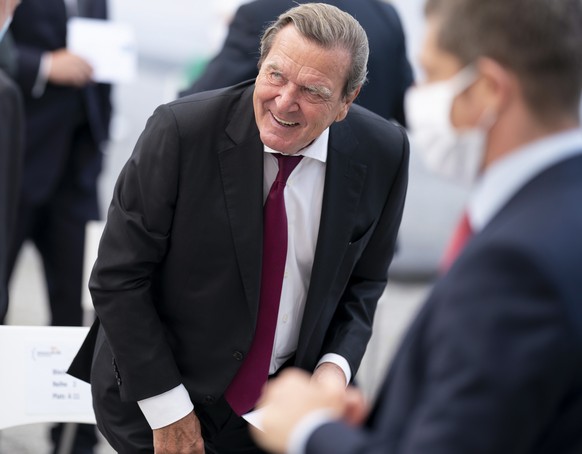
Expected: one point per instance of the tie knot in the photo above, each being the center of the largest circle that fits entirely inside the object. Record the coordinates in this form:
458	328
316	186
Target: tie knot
287	164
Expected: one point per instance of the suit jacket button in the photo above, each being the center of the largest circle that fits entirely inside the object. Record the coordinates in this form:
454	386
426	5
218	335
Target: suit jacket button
238	356
119	382
209	400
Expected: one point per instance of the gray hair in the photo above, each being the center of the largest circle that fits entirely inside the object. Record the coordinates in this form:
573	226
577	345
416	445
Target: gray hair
538	40
330	28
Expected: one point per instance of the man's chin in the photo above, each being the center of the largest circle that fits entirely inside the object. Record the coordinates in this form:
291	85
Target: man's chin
278	144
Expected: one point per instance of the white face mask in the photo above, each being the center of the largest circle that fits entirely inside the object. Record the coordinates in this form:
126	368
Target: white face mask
453	154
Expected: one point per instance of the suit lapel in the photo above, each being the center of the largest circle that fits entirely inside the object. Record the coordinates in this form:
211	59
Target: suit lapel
241	168
344	182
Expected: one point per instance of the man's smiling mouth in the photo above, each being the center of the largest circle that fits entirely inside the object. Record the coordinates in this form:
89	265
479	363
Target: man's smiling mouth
287	124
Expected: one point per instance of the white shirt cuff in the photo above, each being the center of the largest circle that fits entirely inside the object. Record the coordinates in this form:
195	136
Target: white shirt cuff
42	76
167	408
339	361
304	429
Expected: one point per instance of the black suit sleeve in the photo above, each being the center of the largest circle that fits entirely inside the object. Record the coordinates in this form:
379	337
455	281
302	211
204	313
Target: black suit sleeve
238	58
134	242
28	64
351	326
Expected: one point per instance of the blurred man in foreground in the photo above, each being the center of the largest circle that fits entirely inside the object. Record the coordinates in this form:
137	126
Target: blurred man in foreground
493	362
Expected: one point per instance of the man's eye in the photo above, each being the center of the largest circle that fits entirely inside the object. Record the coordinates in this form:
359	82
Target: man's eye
276	77
314	94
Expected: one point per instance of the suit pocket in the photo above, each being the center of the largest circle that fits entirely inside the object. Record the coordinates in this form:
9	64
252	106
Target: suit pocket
357	246
362	238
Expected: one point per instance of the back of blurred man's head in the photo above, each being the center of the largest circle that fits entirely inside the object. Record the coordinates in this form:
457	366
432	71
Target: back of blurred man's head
537	40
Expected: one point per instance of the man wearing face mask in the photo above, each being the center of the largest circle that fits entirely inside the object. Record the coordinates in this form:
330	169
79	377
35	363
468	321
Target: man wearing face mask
493	362
11	123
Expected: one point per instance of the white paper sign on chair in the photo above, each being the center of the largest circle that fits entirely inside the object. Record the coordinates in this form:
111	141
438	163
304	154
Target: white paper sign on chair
34	385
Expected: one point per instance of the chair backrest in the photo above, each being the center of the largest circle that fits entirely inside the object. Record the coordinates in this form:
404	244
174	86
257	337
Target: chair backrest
34	385
93	232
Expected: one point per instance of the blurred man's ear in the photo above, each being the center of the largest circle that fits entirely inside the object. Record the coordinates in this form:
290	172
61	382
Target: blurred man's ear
499	85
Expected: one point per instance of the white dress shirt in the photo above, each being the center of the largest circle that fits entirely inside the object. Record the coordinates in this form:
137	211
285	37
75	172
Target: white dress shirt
303	200
494	189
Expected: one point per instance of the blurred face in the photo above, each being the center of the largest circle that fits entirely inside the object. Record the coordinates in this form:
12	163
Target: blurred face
299	91
440	65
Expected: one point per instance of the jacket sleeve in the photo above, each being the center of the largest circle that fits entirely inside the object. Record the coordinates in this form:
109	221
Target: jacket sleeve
133	244
497	366
351	326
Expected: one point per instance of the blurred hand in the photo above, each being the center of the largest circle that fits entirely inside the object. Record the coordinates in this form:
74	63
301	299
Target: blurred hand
330	374
356	409
69	69
287	399
182	437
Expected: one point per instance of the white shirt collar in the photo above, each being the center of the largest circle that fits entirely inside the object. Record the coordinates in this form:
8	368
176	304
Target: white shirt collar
317	150
507	176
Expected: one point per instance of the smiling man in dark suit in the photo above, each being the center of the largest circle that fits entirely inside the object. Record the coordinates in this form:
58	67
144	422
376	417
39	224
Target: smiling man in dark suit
390	73
201	292
493	362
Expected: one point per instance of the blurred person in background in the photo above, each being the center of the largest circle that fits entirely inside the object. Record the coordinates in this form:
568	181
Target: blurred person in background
11	157
7	57
389	72
67	120
493	362
214	273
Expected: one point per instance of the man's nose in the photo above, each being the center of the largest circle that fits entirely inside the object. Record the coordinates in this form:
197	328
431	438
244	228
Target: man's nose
288	99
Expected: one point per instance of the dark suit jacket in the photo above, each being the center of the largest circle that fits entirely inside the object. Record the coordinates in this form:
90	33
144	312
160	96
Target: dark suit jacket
176	282
493	362
389	75
40	26
11	155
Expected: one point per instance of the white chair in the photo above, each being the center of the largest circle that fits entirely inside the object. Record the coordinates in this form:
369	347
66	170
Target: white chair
93	232
34	386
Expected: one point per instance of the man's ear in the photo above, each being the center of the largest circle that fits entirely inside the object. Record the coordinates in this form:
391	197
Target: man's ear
348	101
499	85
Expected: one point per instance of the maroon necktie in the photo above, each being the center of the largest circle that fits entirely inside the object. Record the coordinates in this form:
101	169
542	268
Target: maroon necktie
460	237
245	389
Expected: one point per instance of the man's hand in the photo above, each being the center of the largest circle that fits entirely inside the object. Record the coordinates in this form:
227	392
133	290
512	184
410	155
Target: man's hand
289	398
69	69
182	437
330	374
